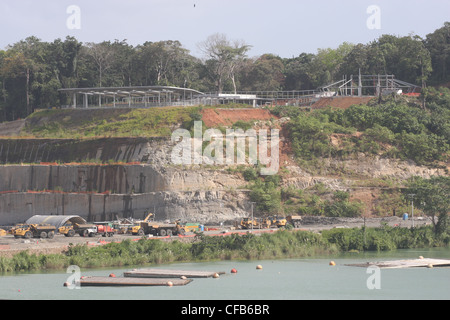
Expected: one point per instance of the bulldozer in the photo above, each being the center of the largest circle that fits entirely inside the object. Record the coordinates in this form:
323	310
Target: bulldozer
28	231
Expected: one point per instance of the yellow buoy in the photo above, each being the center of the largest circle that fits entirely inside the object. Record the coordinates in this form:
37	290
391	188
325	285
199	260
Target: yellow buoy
216	275
332	263
170	283
430	266
420	257
259	267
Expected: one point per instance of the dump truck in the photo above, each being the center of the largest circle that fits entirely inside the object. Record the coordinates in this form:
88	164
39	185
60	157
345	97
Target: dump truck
28	231
158	228
105	230
83	230
86	230
296	221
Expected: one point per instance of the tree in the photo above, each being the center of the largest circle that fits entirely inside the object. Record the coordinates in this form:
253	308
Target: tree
297	72
432	197
225	58
263	74
15	85
438	44
102	56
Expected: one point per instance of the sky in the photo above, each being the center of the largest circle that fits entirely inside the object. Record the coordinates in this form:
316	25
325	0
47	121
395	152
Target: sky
285	28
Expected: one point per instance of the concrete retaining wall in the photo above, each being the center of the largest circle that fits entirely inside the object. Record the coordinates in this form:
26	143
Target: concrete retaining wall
121	179
200	206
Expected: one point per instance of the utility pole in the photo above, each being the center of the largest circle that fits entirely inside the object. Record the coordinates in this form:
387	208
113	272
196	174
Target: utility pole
411	195
252	215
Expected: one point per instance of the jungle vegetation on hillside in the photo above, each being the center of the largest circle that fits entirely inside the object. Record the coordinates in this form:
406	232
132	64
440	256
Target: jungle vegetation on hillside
32	70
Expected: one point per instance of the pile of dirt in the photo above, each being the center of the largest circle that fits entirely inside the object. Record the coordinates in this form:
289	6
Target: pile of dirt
340	102
227	117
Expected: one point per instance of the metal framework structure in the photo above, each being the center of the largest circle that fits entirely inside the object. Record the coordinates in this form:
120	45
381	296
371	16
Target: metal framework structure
374	85
137	96
160	96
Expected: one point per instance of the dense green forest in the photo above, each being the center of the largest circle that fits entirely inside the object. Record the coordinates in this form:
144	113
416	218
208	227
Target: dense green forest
32	70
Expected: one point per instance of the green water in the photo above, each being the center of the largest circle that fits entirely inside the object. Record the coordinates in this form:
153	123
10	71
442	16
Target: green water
304	279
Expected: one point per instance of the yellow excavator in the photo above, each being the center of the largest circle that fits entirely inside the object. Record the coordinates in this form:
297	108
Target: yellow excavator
140	228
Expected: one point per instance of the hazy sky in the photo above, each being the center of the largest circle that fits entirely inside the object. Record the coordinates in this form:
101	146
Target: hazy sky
282	27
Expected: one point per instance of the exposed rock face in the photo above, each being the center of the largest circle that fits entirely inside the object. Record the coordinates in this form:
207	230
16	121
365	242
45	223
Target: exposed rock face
127	177
146	181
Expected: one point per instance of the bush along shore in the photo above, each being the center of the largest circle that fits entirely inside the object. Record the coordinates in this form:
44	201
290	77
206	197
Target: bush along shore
278	245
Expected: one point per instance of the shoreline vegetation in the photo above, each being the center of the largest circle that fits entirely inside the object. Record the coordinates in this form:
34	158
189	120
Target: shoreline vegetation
282	244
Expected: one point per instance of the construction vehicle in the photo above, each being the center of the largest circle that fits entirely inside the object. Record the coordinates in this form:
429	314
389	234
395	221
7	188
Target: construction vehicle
265	223
83	230
294	220
139	229
261	223
247	223
192	227
35	230
86	230
158	228
279	222
104	230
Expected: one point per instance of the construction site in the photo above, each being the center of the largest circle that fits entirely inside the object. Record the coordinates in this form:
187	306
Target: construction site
355	86
108	185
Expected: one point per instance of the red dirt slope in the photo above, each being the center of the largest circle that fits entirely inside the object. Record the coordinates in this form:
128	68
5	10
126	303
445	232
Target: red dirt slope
227	117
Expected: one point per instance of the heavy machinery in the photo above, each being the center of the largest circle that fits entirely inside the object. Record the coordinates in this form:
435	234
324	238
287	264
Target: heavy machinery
28	231
139	229
83	230
157	228
279	222
294	220
104	230
261	223
86	230
246	223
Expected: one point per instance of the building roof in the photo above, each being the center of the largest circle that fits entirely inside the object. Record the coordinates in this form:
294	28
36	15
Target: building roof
133	90
57	221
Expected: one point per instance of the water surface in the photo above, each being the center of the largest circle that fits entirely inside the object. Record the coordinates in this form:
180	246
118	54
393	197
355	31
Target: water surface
299	279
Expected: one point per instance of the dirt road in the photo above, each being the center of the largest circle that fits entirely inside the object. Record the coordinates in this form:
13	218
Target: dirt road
10	246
